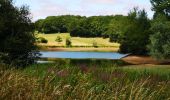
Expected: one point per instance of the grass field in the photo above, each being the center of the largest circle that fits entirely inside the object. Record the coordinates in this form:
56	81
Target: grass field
76	41
101	80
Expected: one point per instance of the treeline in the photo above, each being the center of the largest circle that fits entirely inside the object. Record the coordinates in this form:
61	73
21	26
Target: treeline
57	24
78	26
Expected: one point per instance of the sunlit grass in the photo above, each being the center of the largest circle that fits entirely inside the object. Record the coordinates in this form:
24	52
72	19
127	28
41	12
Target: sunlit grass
76	41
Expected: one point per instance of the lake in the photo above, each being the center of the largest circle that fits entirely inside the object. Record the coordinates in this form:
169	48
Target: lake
81	55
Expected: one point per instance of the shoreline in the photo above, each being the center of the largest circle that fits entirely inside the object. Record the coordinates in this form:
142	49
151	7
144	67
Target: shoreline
131	59
144	60
100	49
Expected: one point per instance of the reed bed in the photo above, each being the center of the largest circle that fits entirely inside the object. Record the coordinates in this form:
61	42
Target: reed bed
81	82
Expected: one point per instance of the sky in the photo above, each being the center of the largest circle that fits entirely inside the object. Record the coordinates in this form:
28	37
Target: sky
40	9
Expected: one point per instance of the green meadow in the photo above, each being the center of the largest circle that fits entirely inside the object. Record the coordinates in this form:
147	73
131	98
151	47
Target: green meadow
76	41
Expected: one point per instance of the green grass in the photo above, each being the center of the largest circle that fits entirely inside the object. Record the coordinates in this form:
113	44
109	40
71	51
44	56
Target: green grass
161	72
77	41
68	79
133	72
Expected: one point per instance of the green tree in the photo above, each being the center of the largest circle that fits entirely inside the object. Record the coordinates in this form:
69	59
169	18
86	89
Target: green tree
16	35
136	35
39	25
74	22
160	40
42	40
80	26
94	26
58	24
58	39
68	42
161	7
95	44
50	25
116	28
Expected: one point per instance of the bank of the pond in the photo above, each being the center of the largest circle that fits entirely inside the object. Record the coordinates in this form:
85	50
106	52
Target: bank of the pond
144	60
100	49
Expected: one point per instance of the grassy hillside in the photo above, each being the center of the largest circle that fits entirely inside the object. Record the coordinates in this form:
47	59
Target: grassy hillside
76	41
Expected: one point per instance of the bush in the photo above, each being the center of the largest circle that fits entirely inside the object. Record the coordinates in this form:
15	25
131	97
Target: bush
58	39
68	42
43	40
95	44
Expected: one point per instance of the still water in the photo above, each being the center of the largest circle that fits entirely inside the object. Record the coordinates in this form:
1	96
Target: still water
81	55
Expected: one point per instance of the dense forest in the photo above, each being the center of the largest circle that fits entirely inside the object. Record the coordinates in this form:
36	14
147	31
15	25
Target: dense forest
95	26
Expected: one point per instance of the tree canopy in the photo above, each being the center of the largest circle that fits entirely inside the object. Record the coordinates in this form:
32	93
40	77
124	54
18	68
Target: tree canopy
16	35
160	40
95	26
161	7
136	34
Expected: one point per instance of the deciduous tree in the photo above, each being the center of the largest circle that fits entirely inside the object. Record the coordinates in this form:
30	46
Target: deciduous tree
161	7
136	36
16	35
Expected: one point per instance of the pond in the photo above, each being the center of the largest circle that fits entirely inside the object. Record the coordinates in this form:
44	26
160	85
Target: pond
81	55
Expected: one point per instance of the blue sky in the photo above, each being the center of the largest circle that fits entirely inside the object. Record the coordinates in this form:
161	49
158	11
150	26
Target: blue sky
44	8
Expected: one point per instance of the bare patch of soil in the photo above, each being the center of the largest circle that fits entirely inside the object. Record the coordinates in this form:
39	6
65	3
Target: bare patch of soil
140	60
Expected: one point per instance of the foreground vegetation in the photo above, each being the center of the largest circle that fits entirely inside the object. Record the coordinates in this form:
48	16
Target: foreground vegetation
94	80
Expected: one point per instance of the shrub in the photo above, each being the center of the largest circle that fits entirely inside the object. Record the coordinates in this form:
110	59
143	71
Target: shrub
58	39
43	40
95	44
68	42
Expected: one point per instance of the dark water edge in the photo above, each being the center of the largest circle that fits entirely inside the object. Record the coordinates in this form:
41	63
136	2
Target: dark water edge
82	58
94	62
